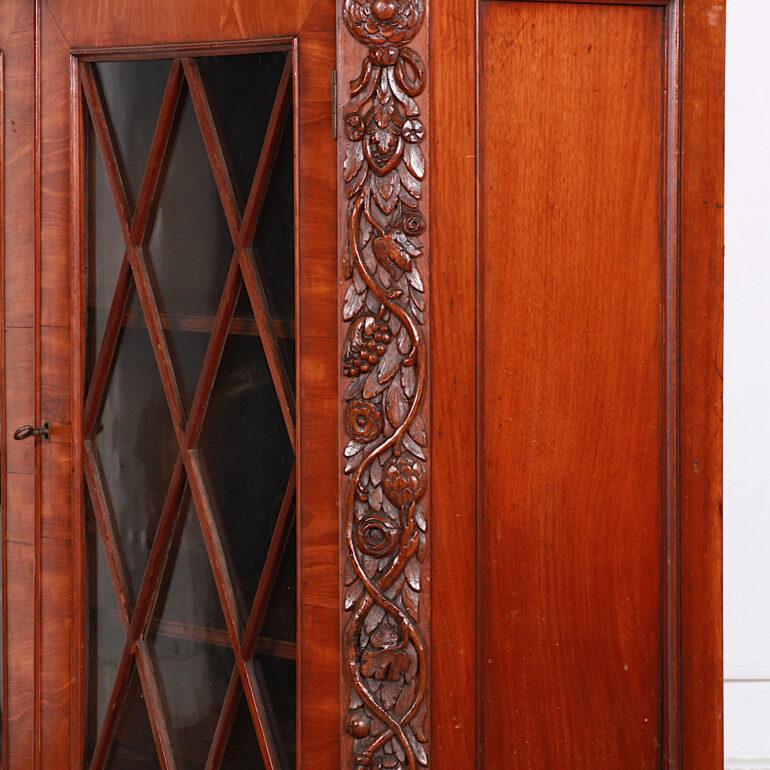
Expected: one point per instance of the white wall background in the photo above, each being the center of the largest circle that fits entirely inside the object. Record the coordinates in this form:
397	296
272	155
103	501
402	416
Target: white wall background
747	387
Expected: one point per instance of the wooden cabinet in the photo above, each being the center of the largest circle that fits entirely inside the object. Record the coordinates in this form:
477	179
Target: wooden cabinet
370	358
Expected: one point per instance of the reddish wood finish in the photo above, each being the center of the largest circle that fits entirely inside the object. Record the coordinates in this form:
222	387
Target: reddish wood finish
55	701
598	448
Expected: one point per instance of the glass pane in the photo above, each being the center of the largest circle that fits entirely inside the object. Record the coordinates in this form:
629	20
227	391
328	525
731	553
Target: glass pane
189	250
135	445
106	637
247	458
243	751
105	239
133	747
133	92
280	681
281	617
188	595
232	82
193	678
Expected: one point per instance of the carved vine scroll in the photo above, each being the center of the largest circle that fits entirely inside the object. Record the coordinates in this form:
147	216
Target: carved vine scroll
385	371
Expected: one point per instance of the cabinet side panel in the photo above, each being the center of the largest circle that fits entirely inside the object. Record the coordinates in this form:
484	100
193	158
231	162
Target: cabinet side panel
571	115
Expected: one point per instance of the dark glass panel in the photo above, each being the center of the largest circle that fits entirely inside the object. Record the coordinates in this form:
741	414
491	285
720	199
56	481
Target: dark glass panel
106	246
135	445
189	250
231	83
274	236
243	751
280	679
281	616
133	747
247	457
188	594
193	678
133	92
106	636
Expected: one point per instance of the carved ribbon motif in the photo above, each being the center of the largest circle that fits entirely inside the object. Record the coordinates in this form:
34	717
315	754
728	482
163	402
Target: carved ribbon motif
384	363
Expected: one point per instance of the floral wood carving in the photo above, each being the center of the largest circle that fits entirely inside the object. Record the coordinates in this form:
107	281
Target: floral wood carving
385	369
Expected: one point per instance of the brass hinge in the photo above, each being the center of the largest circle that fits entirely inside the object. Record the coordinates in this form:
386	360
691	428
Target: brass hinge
334	105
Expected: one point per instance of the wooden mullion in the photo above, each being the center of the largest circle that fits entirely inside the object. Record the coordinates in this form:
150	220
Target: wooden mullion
214	549
272	564
155	708
254	623
107	146
112	552
158	152
273	355
267	156
225	722
213	145
259	715
158	339
213	356
117	699
161	547
108	349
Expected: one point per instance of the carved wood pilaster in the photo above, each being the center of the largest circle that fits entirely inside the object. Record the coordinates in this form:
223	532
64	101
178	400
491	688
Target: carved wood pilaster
383	139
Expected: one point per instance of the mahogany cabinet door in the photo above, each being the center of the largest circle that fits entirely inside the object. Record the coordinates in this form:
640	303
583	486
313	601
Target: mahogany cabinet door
170	284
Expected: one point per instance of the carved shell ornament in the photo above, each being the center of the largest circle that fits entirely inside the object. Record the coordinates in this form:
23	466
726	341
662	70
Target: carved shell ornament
384	362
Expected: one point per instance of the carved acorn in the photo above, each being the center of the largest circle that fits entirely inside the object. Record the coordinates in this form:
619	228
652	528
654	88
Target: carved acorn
404	481
367	342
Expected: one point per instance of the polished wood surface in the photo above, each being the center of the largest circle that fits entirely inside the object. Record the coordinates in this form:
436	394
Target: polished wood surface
50	724
701	355
596	466
570	270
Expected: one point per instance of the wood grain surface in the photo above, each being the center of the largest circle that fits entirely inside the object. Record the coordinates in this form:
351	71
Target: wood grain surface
570	269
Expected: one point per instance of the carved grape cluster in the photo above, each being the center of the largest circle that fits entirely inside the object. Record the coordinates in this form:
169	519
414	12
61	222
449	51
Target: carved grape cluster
368	339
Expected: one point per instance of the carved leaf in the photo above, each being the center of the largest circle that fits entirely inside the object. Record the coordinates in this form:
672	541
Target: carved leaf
411	184
375	474
407	380
417	430
395	403
412	573
374	618
373	386
353	303
354	159
389	363
353	594
411	602
375	497
353	448
415	279
413	447
415	160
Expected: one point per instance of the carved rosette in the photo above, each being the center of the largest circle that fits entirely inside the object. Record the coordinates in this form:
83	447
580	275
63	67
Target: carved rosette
385	369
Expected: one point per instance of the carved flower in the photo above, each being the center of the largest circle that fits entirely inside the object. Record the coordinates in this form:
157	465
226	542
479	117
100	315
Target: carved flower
404	481
384	660
363	421
376	535
355	127
413	130
413	222
379	22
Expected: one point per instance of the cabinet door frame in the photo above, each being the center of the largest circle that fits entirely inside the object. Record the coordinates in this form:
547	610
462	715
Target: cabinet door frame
44	285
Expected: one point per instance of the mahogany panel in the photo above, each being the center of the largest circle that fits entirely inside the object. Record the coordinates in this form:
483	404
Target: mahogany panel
453	391
570	267
701	324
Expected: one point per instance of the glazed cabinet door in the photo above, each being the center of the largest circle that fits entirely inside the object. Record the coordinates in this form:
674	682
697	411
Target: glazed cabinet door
180	354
